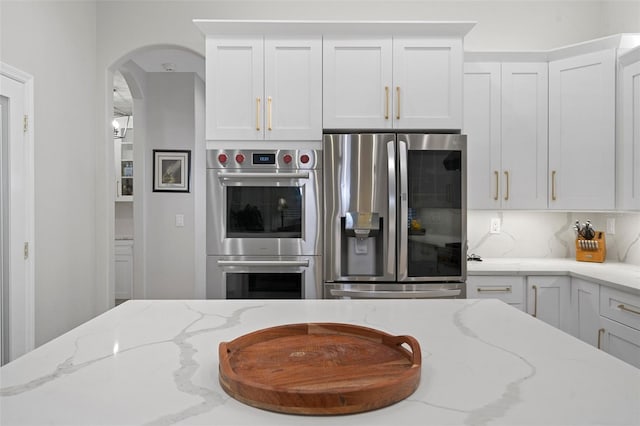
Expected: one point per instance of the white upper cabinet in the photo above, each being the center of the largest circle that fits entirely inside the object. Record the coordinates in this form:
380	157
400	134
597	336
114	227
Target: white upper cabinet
505	118
427	83
263	88
628	147
357	83
385	83
582	131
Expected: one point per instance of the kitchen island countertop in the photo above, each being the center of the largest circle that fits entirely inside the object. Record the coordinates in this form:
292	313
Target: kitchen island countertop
156	362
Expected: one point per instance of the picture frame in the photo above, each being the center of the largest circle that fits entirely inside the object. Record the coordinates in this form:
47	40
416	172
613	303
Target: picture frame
171	170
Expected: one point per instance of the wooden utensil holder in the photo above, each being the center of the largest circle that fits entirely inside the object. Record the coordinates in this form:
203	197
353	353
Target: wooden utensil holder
594	250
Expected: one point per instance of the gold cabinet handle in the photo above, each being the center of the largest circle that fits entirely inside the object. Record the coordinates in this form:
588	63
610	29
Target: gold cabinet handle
553	185
386	102
624	308
258	114
600	333
398	96
506	196
495	289
497	175
535	300
269	113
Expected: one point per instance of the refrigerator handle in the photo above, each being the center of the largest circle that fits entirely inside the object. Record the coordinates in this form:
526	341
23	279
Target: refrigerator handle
403	211
391	225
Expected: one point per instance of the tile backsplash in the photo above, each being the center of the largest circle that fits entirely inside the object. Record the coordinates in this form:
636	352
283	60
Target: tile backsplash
550	234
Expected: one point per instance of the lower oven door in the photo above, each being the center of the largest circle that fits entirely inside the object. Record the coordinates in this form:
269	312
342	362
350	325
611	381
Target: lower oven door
263	277
395	291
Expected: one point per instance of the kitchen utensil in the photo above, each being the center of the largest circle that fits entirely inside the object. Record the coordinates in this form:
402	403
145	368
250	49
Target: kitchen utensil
320	368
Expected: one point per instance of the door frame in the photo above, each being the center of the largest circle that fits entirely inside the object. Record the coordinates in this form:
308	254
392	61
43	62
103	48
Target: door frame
27	313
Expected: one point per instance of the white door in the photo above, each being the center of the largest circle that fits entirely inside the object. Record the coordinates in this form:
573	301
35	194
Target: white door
357	83
582	132
234	89
482	127
548	300
17	213
524	136
628	150
293	89
585	314
427	83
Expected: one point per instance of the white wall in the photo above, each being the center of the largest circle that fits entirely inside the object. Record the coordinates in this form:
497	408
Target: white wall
55	42
170	250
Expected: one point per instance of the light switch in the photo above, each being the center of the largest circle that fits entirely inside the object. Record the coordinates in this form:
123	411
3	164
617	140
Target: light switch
179	220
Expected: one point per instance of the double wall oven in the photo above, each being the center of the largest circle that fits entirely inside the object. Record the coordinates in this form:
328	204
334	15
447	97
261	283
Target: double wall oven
264	231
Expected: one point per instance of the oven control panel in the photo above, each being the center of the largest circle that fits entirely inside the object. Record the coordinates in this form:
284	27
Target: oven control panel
287	159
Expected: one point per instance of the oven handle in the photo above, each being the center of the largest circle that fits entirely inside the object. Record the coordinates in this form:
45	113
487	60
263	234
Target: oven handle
426	294
263	262
258	175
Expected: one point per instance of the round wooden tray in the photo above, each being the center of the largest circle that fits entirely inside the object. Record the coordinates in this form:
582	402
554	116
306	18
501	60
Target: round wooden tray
320	368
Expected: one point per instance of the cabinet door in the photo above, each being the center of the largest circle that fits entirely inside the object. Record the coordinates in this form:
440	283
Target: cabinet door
293	89
585	313
621	341
427	79
357	83
548	300
509	289
234	89
482	127
582	132
524	136
628	183
123	269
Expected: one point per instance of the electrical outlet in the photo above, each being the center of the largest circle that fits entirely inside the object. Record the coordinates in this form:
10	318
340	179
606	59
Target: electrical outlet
179	220
495	226
611	225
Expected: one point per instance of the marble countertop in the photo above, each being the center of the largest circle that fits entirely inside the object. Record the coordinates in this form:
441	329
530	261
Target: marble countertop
623	276
156	363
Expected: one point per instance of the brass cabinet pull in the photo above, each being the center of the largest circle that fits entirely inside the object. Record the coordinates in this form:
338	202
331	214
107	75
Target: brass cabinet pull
600	332
398	96
258	114
553	185
495	289
506	197
386	102
269	113
535	300
624	308
497	175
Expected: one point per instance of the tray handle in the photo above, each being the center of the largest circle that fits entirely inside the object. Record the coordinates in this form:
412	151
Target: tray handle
415	355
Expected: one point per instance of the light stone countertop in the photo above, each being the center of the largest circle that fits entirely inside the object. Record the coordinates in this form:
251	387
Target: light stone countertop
623	276
156	362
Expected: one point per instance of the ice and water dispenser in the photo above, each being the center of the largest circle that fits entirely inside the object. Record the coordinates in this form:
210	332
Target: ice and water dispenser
361	240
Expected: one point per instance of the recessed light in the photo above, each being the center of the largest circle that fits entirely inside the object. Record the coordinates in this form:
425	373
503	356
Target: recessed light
169	67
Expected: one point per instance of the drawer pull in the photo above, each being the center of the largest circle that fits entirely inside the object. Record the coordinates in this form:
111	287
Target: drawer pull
495	289
535	300
600	332
624	308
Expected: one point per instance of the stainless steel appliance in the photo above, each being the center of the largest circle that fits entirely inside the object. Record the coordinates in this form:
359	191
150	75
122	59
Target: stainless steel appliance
264	235
395	215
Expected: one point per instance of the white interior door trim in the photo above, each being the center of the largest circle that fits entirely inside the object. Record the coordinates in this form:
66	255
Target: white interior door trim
28	168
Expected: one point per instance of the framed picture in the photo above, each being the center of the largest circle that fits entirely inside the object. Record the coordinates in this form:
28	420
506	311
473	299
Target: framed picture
171	170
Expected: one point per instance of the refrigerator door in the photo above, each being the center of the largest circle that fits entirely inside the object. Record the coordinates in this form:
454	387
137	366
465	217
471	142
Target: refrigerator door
360	207
432	216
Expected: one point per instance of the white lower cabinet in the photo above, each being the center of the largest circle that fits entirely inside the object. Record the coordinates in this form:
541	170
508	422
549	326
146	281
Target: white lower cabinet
585	311
124	269
620	319
509	289
548	299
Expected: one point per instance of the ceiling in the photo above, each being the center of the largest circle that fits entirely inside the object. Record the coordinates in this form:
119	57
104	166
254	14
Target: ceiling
154	59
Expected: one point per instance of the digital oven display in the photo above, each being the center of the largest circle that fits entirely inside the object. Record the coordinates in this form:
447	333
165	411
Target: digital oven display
264	158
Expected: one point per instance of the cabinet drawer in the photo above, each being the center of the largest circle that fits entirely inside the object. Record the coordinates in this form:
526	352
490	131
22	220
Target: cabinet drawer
620	306
509	289
620	341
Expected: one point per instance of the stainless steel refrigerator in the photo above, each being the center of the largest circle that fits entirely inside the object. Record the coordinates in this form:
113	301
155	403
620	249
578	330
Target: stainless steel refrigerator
395	215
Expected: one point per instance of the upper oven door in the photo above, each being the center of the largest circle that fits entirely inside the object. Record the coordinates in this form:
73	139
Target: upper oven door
271	212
